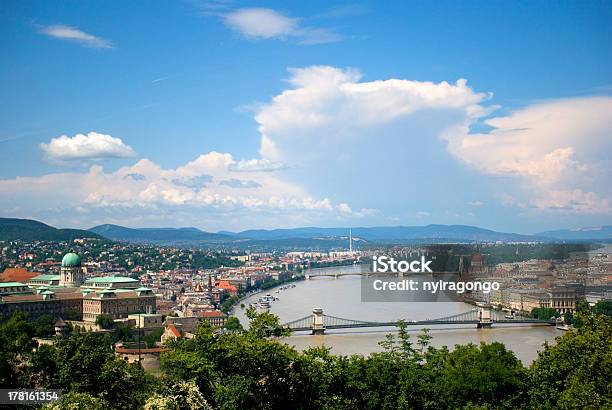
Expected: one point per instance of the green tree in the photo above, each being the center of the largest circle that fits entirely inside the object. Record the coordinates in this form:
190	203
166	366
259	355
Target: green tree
180	396
44	326
122	334
544	313
78	401
153	337
233	324
473	375
44	366
16	346
124	385
105	321
603	307
265	324
576	372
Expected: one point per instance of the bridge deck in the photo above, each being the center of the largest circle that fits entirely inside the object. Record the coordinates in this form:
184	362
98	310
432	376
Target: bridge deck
466	318
424	323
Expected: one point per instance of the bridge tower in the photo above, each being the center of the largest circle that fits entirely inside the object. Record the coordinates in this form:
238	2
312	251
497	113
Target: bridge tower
318	327
484	318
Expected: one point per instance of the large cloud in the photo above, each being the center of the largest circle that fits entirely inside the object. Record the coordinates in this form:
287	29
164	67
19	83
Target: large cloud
361	140
390	133
327	105
93	146
198	191
559	149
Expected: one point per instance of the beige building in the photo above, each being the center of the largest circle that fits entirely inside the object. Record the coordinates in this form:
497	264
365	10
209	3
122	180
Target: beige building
60	295
214	318
146	320
562	299
117	303
112	282
46	302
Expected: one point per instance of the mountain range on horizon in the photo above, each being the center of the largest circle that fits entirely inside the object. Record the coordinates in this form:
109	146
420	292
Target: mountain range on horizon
31	230
25	229
372	234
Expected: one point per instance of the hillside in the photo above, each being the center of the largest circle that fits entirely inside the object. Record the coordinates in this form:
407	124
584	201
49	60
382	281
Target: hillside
601	233
121	233
434	233
30	230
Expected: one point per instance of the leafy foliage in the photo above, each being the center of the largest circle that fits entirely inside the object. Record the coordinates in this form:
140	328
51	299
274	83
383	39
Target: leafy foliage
78	401
253	368
105	321
544	313
576	372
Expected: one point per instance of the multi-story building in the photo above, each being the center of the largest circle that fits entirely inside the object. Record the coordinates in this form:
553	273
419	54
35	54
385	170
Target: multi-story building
67	305
562	299
118	303
214	318
64	295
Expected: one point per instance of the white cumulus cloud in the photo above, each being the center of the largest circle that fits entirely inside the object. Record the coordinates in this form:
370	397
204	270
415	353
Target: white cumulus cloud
93	146
329	122
73	34
559	149
327	105
265	23
261	23
203	192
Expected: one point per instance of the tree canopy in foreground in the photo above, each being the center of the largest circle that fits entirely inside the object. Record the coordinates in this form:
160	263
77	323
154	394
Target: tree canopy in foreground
254	368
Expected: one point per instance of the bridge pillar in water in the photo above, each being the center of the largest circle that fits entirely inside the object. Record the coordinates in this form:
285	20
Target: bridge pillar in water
484	318
318	327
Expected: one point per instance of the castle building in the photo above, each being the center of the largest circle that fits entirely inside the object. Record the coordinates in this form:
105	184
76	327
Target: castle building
68	296
71	272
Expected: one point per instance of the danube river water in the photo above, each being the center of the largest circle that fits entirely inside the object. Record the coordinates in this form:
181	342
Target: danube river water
341	297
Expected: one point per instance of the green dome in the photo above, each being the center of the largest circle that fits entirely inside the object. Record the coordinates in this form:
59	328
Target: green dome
71	260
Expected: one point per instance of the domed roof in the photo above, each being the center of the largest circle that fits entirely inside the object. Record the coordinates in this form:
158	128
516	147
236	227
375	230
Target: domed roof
71	259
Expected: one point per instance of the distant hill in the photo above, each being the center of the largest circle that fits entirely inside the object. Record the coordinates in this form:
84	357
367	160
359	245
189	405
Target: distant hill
435	233
308	237
29	230
167	235
311	237
602	233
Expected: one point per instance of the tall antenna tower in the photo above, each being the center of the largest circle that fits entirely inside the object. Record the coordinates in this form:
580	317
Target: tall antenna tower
350	240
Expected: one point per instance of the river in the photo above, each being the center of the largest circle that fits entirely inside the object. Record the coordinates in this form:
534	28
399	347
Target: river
341	297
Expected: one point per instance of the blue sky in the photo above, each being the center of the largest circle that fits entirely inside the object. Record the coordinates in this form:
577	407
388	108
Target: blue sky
236	115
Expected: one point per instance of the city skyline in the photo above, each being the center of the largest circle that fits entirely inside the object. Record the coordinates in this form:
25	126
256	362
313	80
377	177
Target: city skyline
223	115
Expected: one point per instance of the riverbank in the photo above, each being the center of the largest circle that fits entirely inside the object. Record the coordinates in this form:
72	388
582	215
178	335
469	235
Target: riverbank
341	297
261	290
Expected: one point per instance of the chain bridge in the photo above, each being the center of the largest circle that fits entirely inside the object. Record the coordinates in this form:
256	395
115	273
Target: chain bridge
336	275
318	322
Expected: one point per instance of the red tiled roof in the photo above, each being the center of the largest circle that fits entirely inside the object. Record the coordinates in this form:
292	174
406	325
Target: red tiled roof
174	330
17	275
226	285
211	313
